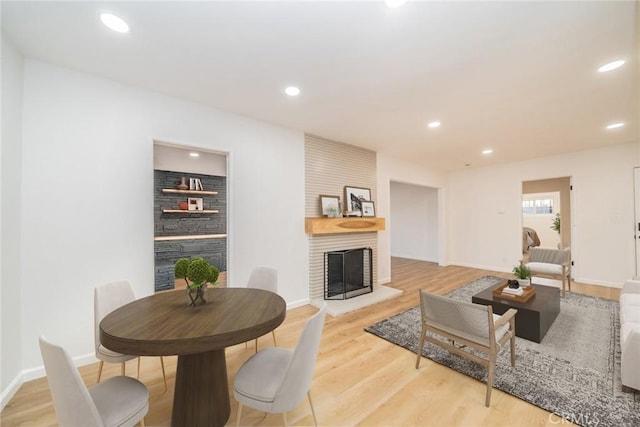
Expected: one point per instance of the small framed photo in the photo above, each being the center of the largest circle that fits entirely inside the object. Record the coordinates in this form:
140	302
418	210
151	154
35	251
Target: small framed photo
195	203
330	205
354	196
368	208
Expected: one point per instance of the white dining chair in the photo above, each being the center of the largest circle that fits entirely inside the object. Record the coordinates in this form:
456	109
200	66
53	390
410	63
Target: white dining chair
265	278
119	401
276	379
107	298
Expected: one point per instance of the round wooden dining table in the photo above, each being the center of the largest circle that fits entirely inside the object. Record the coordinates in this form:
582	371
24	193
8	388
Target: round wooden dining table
163	325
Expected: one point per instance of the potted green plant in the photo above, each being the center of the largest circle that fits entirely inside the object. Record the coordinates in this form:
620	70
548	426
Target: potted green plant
523	274
555	224
197	272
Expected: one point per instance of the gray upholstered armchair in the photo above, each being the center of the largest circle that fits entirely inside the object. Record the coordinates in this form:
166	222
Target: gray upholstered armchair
551	263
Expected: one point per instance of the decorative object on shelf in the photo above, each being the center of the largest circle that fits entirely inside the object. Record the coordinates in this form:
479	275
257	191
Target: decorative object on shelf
195	184
368	208
197	272
523	274
183	206
330	206
195	203
353	197
183	184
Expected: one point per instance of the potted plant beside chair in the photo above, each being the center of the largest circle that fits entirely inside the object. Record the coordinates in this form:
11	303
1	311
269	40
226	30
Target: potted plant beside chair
197	273
523	274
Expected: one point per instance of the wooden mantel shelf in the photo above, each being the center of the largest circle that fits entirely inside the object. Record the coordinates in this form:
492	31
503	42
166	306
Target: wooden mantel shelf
342	225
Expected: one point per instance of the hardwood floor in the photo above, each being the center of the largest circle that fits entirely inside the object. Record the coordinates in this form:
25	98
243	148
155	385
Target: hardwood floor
359	379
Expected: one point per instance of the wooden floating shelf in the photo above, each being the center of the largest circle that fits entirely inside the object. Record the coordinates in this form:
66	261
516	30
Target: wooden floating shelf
187	237
343	225
189	212
175	191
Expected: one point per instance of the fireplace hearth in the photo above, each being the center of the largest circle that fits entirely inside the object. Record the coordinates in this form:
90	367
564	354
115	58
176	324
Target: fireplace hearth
348	273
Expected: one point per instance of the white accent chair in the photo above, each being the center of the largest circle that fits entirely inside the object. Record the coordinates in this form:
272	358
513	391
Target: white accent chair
107	298
265	278
551	263
276	379
119	401
468	325
630	334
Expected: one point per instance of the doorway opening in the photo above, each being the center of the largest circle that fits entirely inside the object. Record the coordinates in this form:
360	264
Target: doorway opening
414	222
546	214
190	210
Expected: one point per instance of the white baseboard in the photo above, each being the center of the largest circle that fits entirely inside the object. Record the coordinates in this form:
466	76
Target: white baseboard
299	303
383	280
38	372
11	390
417	258
588	281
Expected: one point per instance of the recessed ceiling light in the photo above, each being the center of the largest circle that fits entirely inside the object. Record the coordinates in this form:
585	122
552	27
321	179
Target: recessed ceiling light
487	151
114	22
393	4
194	154
615	125
434	125
611	66
292	91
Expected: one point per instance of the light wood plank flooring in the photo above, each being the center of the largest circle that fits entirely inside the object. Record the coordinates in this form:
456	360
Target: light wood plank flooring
359	379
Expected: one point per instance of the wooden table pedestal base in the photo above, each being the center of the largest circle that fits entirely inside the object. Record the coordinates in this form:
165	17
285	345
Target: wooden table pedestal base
201	396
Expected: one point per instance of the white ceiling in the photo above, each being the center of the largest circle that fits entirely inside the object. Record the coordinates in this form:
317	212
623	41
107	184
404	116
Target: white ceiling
518	77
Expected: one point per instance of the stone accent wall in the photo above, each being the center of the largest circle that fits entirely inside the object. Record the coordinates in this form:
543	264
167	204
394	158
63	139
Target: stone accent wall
188	224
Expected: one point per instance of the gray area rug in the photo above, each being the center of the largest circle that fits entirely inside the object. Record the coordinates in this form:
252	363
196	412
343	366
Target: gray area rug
574	372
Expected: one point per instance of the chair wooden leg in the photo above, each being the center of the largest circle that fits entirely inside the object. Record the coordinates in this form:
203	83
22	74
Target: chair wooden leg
239	414
138	375
164	375
100	370
491	368
122	370
313	412
419	350
284	419
274	338
513	349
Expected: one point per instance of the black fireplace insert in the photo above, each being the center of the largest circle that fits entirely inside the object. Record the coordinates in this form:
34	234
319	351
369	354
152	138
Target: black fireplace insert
348	273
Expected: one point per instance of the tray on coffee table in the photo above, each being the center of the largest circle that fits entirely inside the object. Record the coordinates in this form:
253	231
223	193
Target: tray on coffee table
528	292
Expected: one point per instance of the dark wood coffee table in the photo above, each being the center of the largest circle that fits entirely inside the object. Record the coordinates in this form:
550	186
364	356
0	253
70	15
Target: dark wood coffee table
534	317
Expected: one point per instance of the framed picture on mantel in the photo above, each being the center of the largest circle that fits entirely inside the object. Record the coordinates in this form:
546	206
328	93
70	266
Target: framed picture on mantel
330	205
354	196
368	208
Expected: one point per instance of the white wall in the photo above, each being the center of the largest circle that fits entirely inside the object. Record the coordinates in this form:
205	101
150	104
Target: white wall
10	210
393	169
413	221
88	196
485	212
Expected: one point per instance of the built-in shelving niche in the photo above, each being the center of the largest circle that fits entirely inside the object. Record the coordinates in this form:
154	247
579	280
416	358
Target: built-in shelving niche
181	233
